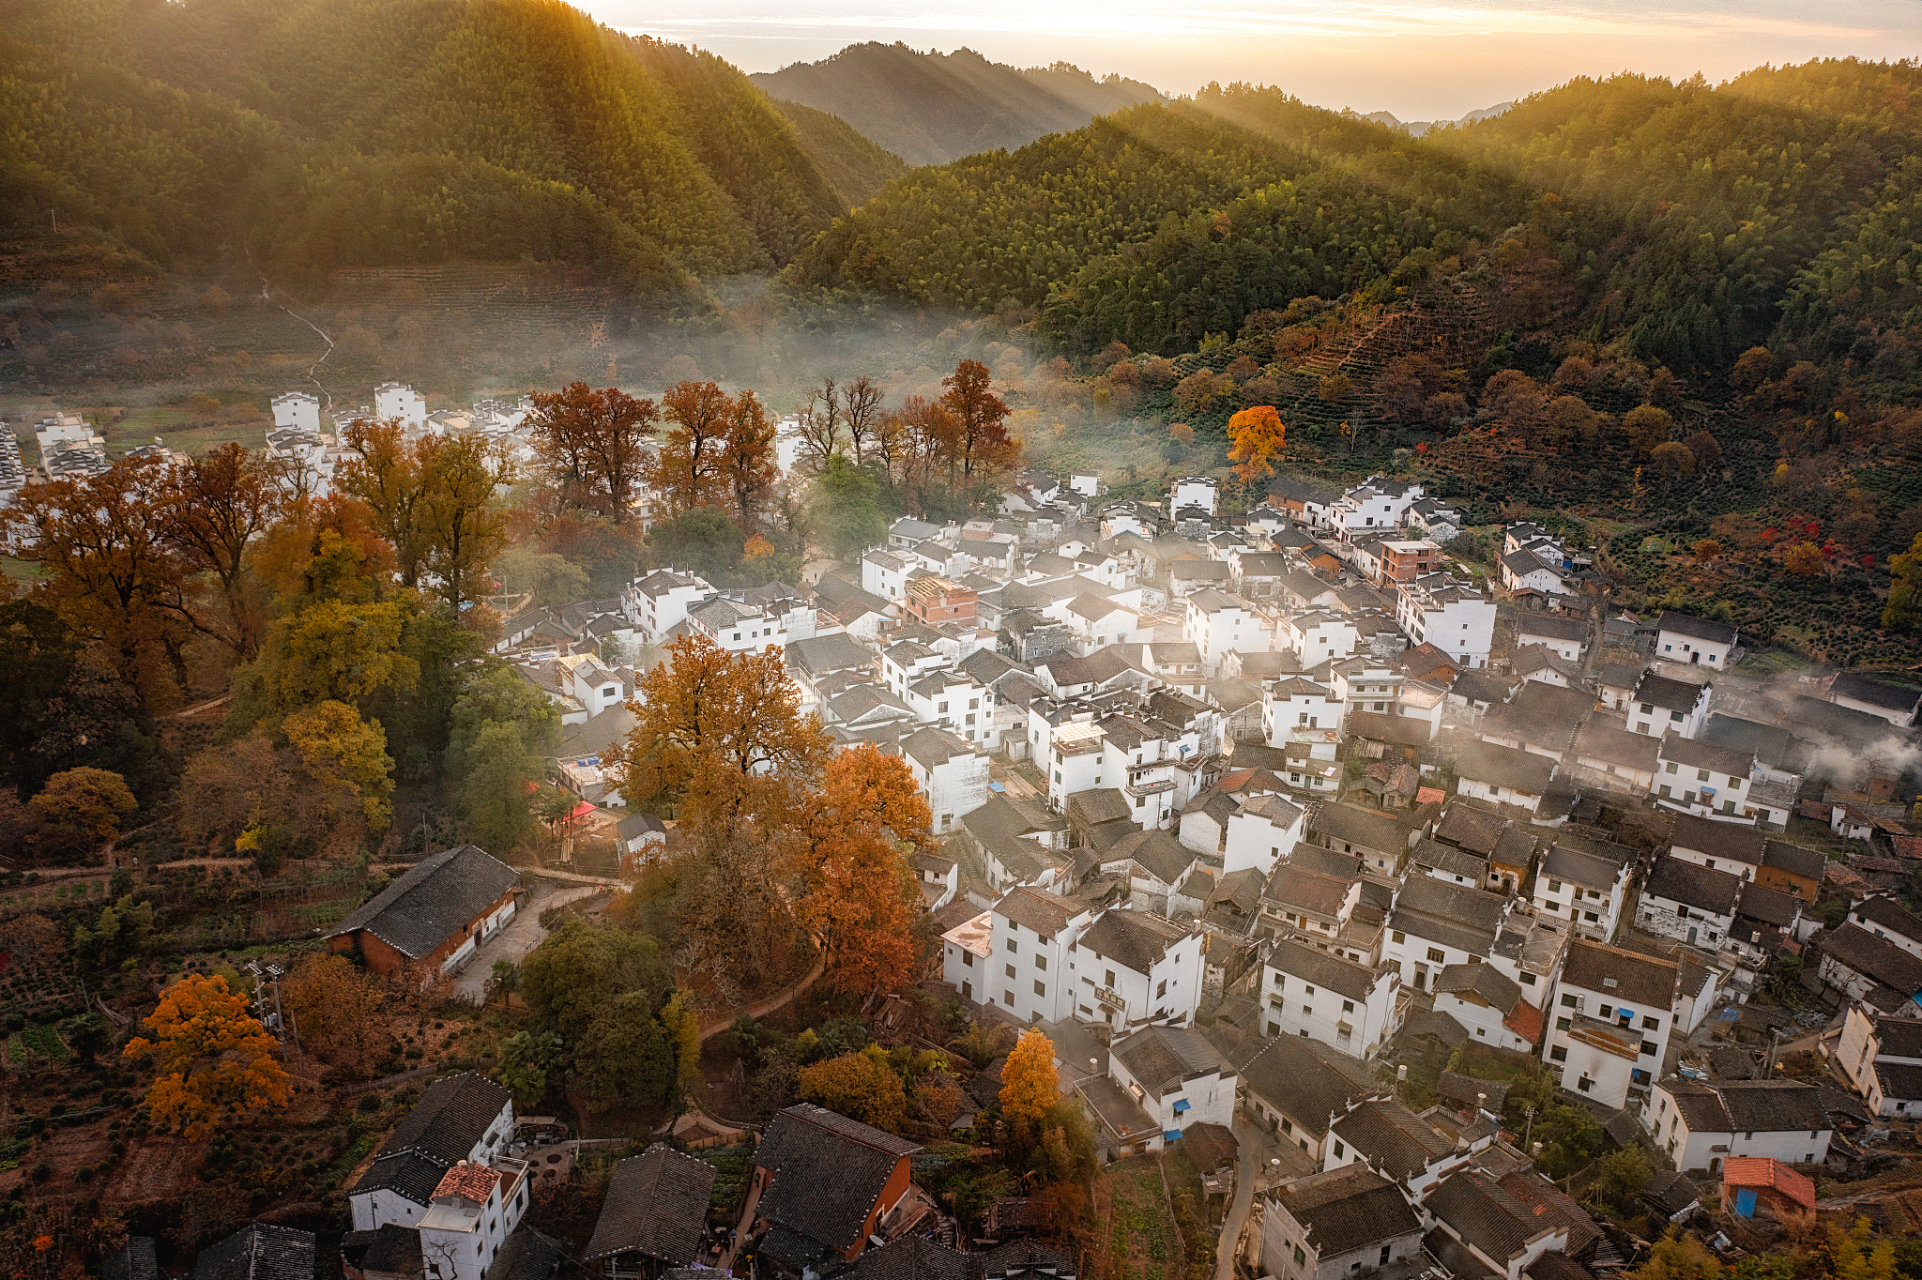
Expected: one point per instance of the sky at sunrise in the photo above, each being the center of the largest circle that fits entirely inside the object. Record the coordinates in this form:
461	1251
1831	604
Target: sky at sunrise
1420	61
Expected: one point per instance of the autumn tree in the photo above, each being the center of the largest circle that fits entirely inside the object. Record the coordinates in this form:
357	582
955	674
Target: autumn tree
686	470
1648	426
463	526
81	809
1257	436
593	445
862	410
1672	460
1904	608
331	651
338	748
747	465
338	1010
705	708
982	446
111	567
254	796
32	940
382	471
210	1056
1030	1084
862	1086
819	425
1803	559
502	729
858	896
221	501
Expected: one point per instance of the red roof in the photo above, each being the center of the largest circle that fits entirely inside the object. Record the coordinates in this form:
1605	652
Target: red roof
1526	1021
1765	1174
471	1181
1907	846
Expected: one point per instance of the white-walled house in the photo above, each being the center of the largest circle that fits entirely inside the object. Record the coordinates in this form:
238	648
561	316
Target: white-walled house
1662	705
1259	832
398	402
1176	1076
952	773
1308	992
1339	1223
1193	491
1882	1057
297	409
1702	1124
658	602
1610	1021
1586	889
1215	622
1489	1006
1316	637
1689	902
1295	704
464	1118
1131	968
1699	777
965	952
1451	615
1028	973
1697	641
474	1209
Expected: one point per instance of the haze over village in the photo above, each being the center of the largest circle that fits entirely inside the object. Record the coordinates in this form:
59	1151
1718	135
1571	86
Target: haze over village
889	665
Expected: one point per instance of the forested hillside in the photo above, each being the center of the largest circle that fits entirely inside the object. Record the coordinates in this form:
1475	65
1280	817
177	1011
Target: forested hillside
1680	319
930	108
327	133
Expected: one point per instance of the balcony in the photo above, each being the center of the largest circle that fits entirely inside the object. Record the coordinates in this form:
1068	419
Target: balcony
1135	788
1623	1042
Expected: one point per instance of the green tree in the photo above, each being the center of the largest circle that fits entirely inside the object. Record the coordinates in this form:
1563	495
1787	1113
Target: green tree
553	580
529	1062
847	509
119	933
701	539
501	730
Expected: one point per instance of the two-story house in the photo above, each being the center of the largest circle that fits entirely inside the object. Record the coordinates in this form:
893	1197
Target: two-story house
463	1119
1701	778
1308	992
1702	1125
1336	1224
1585	888
1662	705
1610	1022
1131	968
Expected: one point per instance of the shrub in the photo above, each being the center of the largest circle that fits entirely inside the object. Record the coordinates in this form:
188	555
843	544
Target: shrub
369	1102
41	1171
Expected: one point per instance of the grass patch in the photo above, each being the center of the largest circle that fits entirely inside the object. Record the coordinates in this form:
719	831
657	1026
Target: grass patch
1142	1231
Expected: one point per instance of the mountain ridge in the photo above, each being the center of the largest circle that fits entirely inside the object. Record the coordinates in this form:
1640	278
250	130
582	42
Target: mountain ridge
932	108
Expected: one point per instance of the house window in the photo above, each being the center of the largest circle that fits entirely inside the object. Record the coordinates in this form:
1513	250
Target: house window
1007	998
1651	1024
1010	969
1563	1024
1437	955
1301	1259
1108	982
1040	987
1558	1054
1011	944
1570	1001
1161	989
1338	1149
967	959
1041	962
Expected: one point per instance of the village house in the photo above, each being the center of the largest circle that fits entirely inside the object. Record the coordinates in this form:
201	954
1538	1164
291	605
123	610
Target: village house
1030	972
434	917
463	1119
1703	1124
824	1186
1882	1058
1489	1006
1308	992
1298	1087
1131	968
1698	641
1176	1077
1334	1224
1612	1016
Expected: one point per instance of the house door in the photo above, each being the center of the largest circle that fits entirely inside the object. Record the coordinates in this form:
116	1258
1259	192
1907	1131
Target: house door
967	990
1692	931
1695	656
1421	977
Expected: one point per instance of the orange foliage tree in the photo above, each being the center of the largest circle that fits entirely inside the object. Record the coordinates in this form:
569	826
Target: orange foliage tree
1029	1083
210	1055
982	445
706	708
857	893
339	1011
593	445
1258	435
861	1085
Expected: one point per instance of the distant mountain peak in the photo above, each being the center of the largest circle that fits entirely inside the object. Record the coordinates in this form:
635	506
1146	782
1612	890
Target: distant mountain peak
932	107
1416	128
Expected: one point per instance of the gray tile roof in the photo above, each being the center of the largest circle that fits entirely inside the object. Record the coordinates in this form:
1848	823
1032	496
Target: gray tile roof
1394	1139
1306	1080
656	1205
1647	981
1161	1059
437	898
1132	938
442	1130
829	1172
259	1251
1348	1209
1320	969
1693	885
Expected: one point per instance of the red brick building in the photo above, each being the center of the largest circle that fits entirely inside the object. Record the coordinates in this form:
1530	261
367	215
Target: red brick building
435	916
935	600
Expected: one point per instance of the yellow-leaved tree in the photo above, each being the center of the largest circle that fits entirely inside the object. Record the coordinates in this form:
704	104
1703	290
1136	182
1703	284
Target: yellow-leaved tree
1029	1082
210	1056
1258	436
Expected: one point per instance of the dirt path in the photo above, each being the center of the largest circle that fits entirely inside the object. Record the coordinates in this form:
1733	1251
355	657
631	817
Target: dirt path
762	1008
522	934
